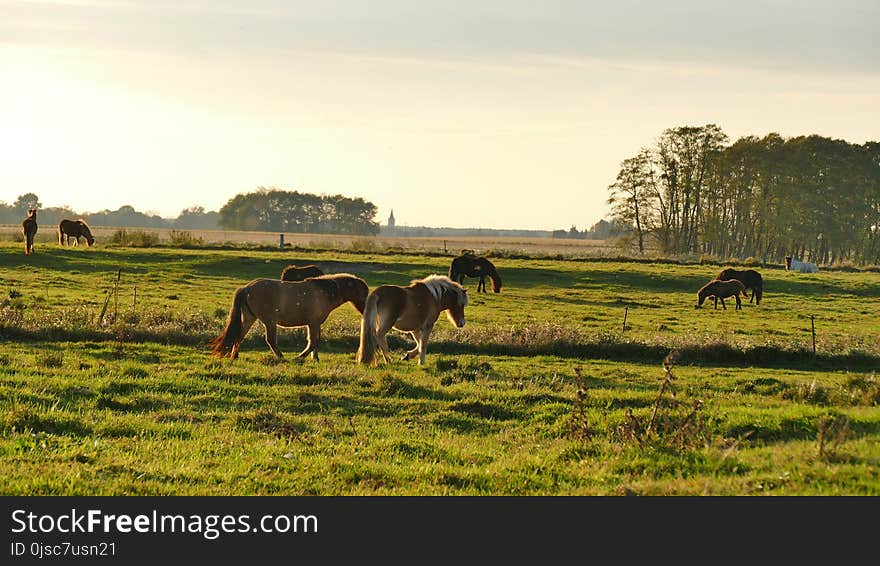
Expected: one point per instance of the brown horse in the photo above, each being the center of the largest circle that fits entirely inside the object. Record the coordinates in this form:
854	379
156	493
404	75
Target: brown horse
721	290
467	264
294	273
289	304
29	229
414	309
749	277
75	229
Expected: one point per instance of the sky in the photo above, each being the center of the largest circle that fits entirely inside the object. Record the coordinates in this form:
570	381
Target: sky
492	114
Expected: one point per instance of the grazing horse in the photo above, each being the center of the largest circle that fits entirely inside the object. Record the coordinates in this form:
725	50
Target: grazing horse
288	303
802	266
75	229
721	290
470	265
29	228
414	309
748	277
294	273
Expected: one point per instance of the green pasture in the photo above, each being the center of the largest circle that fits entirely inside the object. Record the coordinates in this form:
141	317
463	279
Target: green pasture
542	392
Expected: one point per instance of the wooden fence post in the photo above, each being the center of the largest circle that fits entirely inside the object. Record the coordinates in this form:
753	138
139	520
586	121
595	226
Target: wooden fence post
813	330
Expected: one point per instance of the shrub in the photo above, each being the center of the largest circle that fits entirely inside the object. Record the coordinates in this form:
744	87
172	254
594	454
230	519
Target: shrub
184	239
135	238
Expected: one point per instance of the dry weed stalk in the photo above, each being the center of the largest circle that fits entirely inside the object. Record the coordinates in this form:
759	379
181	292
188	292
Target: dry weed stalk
831	433
578	426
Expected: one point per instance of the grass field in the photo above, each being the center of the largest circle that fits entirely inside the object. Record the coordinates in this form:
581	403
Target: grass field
543	392
452	244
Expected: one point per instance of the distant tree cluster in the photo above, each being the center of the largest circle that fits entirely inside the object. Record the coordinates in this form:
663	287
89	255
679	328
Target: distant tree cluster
601	230
292	211
811	197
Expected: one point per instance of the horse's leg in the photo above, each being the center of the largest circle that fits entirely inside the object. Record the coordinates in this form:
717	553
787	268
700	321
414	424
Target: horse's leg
481	287
423	343
738	302
383	346
716	301
417	336
722	303
271	334
386	323
313	334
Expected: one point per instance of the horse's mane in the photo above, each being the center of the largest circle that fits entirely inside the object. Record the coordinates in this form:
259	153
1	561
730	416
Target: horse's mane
436	284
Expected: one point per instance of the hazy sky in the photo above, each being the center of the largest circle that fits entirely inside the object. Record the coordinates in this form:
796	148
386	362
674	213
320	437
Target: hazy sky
504	114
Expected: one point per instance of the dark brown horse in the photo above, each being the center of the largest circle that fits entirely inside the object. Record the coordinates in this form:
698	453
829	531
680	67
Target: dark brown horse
748	277
294	273
721	290
470	265
289	304
29	229
75	229
414	309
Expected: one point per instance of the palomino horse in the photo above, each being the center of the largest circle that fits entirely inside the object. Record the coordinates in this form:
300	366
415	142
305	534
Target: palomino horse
802	266
470	265
29	229
294	273
721	290
414	309
288	303
750	278
75	229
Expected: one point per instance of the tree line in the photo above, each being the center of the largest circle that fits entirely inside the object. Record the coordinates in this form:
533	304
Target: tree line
264	210
292	211
811	197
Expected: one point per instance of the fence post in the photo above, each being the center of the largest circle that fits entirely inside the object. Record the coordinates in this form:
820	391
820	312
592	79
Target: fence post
116	296
625	311
813	330
281	242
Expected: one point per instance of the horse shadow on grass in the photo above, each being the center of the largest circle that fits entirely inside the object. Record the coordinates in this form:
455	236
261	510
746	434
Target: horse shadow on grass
796	429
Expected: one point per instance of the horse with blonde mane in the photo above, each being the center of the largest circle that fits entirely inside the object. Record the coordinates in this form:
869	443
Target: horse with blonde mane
289	304
414	309
721	290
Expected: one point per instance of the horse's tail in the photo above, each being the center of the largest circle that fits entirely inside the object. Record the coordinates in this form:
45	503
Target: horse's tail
366	353
759	290
231	337
453	270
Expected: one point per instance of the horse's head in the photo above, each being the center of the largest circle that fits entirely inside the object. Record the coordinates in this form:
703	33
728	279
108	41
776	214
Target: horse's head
455	312
702	294
357	292
496	281
455	309
86	232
